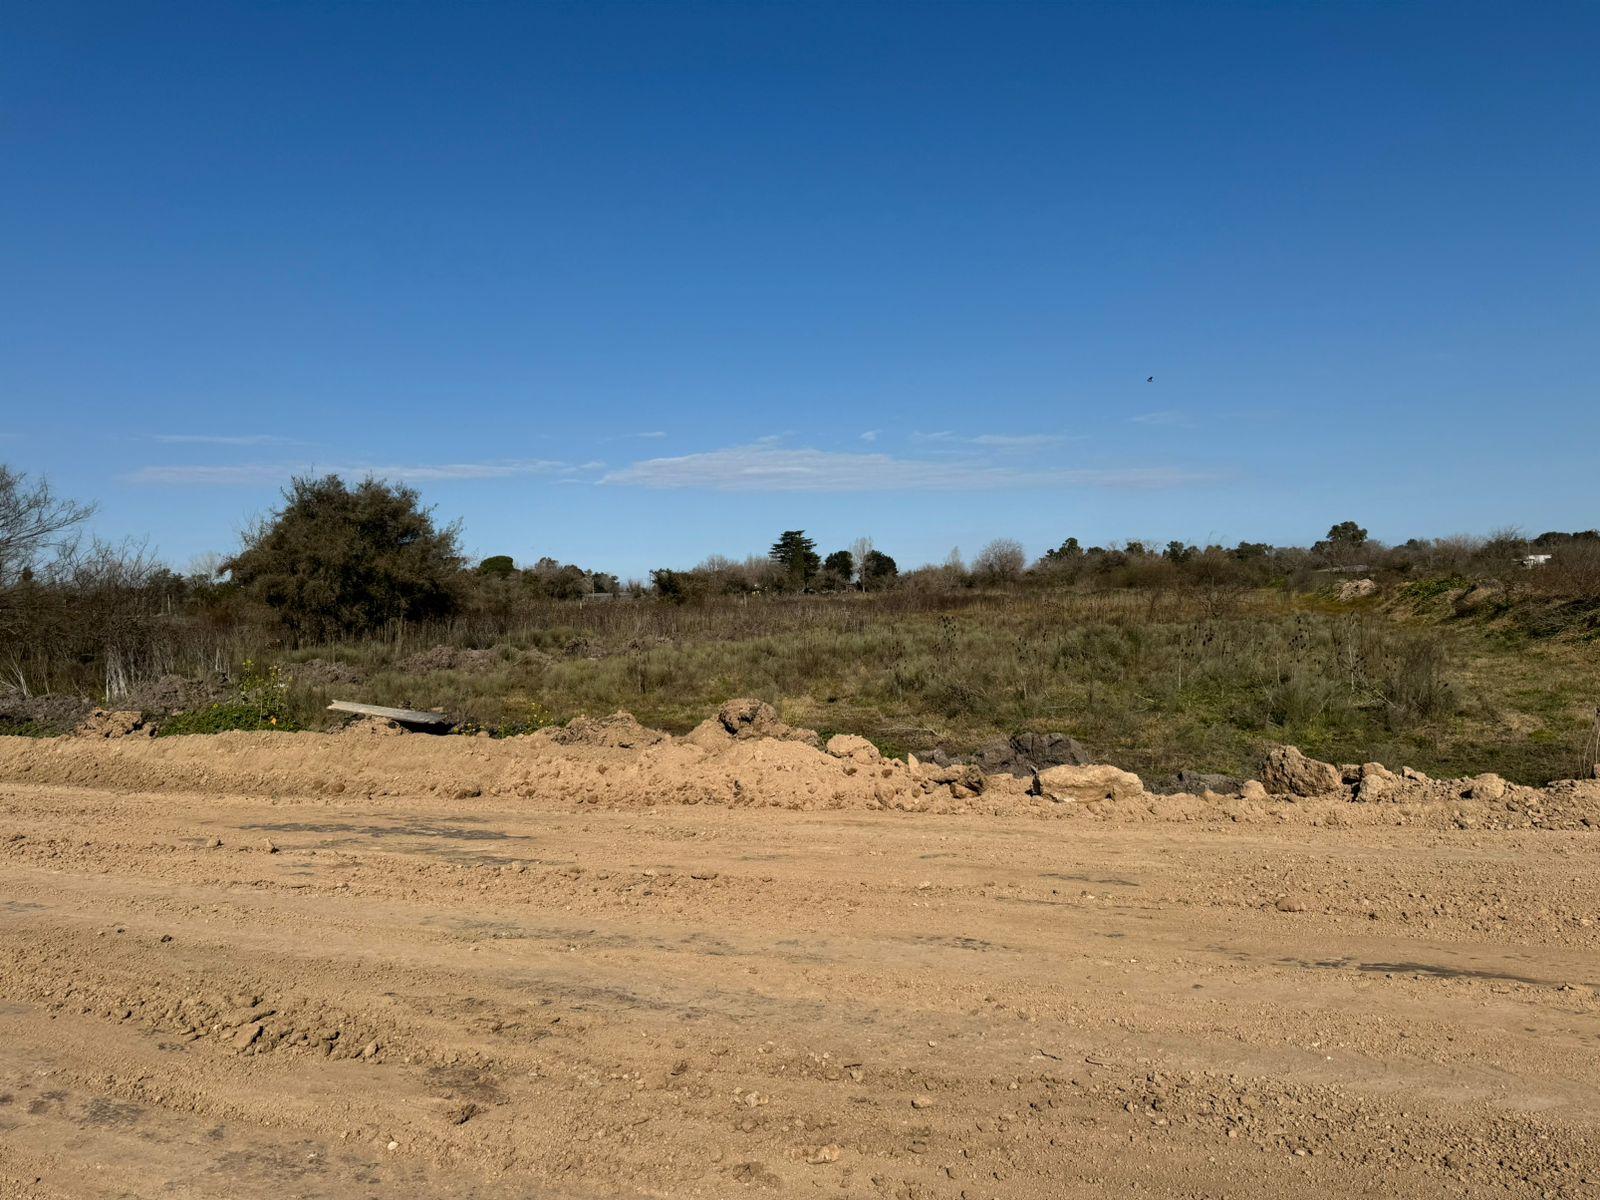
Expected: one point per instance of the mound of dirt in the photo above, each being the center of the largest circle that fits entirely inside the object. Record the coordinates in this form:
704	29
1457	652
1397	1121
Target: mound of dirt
619	731
1484	592
745	719
592	763
454	658
114	724
856	749
614	762
322	672
51	714
176	693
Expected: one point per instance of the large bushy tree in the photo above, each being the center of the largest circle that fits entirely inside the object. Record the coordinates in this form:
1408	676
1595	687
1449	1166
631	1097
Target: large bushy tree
838	569
878	571
340	560
557	580
1347	533
1346	542
1068	552
498	566
797	555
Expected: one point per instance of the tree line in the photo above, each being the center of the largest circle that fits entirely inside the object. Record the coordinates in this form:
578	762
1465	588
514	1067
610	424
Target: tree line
335	560
792	565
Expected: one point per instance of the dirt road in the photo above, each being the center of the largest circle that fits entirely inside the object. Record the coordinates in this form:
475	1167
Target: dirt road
271	988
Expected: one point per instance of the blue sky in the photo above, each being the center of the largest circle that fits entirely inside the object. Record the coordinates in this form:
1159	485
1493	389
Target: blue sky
632	284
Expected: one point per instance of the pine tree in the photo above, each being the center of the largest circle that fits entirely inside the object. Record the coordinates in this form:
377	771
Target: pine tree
797	555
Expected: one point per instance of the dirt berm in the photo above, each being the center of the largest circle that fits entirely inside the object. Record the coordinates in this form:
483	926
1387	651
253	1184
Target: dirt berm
744	756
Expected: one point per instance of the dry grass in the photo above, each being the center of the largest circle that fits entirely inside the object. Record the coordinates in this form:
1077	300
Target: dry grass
1154	681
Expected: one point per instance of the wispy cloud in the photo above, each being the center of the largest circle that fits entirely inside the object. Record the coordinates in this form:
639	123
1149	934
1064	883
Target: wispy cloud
245	473
263	473
224	439
871	435
644	435
994	441
1010	441
1167	416
763	467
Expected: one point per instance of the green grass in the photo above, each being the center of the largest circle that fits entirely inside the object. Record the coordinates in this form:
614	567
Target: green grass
1420	591
26	729
261	703
1154	682
225	718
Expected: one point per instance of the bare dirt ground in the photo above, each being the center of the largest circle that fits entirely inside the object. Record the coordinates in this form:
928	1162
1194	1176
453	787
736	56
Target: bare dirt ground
318	966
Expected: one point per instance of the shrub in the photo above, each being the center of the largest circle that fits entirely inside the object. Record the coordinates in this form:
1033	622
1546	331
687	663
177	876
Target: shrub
262	704
1302	698
1415	683
336	561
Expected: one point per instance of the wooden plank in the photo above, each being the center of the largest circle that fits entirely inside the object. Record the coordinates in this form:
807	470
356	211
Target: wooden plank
403	716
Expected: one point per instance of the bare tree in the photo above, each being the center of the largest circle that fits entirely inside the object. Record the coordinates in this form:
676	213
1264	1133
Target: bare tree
33	519
859	549
1001	561
115	610
206	567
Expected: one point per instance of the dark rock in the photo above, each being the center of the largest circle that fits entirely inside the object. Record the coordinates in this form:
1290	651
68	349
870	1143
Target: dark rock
1051	750
1027	753
1195	783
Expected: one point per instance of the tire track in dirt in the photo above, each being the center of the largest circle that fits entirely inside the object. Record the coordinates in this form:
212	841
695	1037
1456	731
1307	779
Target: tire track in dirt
697	1001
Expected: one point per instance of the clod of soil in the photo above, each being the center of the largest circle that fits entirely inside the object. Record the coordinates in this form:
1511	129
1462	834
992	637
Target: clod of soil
121	723
747	719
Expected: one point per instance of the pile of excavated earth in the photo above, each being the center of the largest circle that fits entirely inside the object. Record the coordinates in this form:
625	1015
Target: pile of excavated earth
601	961
616	762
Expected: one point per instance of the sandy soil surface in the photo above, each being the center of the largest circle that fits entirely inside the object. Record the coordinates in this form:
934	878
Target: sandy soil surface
297	965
